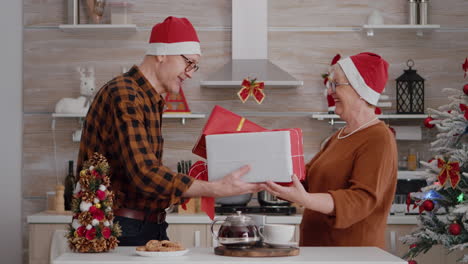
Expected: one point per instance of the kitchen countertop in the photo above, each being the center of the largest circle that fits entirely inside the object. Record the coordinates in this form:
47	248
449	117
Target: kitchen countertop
326	255
174	218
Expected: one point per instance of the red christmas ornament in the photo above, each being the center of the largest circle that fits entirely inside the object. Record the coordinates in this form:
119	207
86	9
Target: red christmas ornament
455	229
413	246
412	262
426	122
428	205
465	89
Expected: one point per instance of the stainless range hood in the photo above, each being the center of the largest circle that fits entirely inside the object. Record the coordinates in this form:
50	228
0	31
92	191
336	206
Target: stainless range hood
250	50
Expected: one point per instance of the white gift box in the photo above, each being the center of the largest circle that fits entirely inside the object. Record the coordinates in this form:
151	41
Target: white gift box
267	153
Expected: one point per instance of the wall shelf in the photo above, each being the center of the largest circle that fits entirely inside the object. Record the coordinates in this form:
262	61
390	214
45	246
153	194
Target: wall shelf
411	175
98	27
419	29
182	116
332	117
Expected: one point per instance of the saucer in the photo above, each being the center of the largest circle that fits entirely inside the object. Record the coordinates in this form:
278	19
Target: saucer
275	244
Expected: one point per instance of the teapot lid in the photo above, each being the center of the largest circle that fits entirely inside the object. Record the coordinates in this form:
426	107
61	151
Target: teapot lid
239	218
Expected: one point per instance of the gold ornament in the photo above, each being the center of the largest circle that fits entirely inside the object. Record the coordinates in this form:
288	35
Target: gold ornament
98	205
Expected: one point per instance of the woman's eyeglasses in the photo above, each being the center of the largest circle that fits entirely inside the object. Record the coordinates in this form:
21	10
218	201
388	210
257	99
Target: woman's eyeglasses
332	85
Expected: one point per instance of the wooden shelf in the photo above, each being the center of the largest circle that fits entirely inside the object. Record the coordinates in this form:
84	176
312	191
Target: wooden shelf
332	117
412	175
98	27
419	29
181	116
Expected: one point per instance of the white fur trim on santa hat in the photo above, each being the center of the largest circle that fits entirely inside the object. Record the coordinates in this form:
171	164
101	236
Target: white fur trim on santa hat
358	83
177	48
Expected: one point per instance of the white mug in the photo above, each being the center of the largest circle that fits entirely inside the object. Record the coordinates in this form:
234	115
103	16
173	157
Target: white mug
277	234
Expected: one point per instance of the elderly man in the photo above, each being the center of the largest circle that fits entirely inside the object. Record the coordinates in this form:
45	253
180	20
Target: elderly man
124	124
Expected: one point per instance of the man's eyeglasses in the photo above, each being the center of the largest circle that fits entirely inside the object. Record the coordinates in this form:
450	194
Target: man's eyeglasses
332	85
190	65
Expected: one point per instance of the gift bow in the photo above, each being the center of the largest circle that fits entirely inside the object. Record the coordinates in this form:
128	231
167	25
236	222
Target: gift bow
450	171
253	88
199	171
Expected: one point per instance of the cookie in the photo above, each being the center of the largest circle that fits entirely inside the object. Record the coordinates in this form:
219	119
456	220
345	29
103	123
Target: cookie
141	248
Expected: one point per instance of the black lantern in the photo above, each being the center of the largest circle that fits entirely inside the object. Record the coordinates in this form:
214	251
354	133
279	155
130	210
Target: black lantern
410	92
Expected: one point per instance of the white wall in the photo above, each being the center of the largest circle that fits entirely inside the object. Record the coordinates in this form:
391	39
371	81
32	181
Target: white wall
11	43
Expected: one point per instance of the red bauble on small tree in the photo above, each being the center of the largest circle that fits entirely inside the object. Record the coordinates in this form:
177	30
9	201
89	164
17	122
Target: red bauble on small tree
455	229
428	205
426	122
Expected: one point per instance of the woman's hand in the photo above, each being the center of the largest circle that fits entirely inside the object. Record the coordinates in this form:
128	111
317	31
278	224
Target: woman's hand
294	193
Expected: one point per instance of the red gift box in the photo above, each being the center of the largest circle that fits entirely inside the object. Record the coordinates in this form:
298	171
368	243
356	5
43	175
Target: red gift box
297	152
223	121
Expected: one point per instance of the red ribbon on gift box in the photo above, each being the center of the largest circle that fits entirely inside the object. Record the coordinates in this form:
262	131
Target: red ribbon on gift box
450	171
252	88
199	171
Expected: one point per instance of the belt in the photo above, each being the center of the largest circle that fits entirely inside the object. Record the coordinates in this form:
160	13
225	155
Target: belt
153	217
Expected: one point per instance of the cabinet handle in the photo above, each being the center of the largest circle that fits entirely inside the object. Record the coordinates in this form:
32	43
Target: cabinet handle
197	238
393	242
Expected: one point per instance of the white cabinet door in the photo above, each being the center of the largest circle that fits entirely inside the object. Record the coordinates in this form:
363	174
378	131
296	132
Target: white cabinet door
394	246
189	235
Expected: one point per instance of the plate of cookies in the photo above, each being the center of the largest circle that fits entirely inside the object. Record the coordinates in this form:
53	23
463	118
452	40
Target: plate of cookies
161	248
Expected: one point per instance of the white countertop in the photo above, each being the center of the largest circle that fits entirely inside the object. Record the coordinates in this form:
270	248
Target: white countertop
326	255
47	218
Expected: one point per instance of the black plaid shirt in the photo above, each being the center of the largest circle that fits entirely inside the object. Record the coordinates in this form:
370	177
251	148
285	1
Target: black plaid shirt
124	124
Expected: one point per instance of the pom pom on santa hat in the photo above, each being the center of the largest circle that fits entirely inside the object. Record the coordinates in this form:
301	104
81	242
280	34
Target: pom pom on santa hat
174	36
368	73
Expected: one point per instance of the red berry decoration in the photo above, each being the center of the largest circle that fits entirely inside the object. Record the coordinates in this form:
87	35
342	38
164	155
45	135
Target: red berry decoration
412	262
426	122
428	205
455	229
413	246
465	89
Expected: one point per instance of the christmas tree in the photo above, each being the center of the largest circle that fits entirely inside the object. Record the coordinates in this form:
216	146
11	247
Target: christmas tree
443	204
92	228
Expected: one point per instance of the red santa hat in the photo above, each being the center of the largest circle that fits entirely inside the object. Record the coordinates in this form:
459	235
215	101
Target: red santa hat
174	36
368	73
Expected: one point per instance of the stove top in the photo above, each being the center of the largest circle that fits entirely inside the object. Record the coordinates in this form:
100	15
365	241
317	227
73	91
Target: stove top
266	210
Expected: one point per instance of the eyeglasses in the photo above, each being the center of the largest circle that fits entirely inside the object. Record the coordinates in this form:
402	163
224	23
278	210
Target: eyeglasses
191	65
332	85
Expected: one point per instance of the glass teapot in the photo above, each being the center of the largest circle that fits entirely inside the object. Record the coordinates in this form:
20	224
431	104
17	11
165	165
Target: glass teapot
237	231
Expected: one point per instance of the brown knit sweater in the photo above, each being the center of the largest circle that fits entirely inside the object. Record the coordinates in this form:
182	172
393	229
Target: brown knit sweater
360	172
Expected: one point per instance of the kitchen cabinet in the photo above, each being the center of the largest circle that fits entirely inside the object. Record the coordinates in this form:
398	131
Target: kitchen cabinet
436	255
40	237
189	235
195	231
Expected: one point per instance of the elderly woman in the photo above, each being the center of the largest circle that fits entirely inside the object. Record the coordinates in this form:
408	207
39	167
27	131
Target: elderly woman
351	182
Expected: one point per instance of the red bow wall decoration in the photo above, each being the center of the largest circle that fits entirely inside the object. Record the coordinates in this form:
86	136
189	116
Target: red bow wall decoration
252	87
450	171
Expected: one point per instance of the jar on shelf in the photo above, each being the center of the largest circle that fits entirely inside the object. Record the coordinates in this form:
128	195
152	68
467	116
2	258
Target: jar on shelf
412	12
423	12
119	12
403	163
412	160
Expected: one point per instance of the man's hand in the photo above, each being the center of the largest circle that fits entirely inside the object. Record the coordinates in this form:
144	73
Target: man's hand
229	185
232	184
